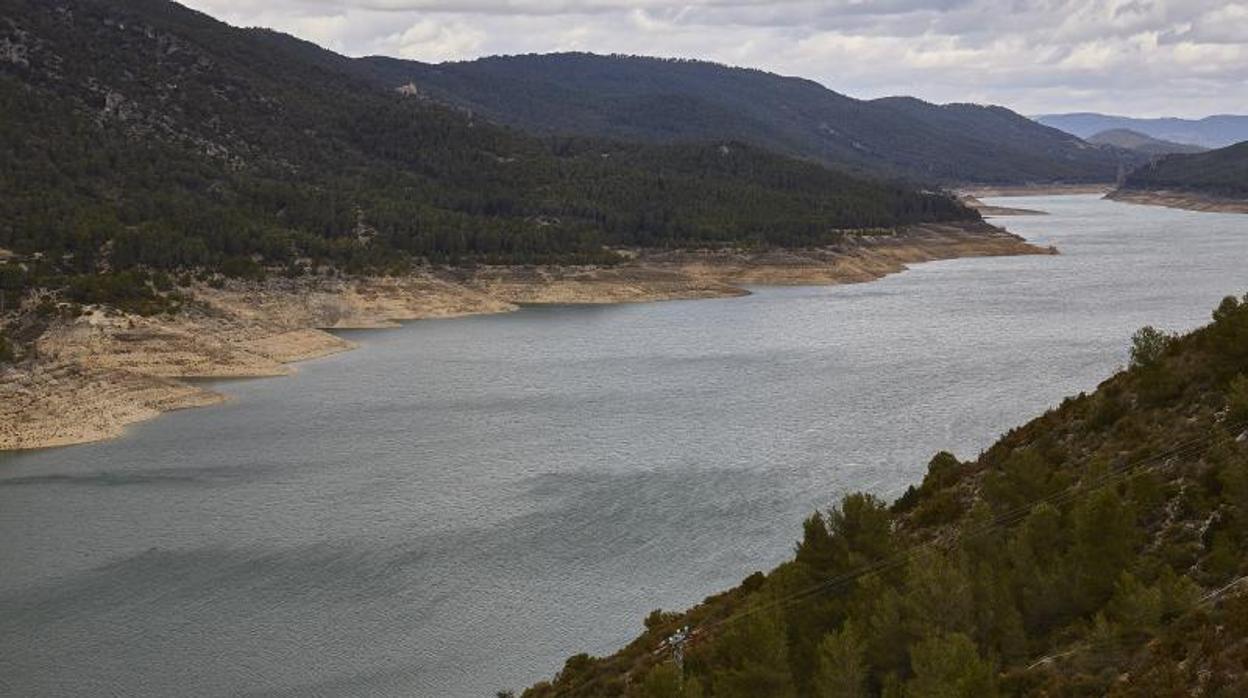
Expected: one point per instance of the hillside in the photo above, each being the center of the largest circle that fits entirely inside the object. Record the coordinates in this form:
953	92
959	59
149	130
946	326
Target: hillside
1141	143
1217	173
1210	132
1098	550
662	101
140	135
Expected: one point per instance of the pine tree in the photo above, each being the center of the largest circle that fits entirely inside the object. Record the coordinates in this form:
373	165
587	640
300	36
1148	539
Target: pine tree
841	671
949	666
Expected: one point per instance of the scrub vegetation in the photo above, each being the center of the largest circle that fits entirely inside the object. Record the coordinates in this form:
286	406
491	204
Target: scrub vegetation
1098	550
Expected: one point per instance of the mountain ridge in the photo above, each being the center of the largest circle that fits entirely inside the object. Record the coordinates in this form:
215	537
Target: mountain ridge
1216	131
1143	143
659	100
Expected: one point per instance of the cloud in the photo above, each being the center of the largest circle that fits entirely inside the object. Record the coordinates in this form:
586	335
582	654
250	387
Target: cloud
1143	57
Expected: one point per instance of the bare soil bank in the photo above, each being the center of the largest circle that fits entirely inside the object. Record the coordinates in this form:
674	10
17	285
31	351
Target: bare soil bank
1180	199
1038	190
95	375
988	210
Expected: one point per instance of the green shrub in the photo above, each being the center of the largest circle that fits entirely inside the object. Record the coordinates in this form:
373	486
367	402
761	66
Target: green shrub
1237	401
1148	345
907	501
658	618
13	282
950	665
162	282
942	471
1159	384
941	508
243	268
7	353
1108	407
128	291
1137	608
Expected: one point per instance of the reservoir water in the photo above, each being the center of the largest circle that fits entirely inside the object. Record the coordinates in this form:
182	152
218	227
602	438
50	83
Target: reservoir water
460	504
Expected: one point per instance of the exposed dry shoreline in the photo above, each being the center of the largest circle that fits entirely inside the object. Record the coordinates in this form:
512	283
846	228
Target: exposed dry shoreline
971	201
1188	201
1037	190
97	374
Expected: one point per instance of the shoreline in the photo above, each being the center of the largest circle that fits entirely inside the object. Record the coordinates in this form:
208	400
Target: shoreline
1187	201
1035	190
95	375
971	201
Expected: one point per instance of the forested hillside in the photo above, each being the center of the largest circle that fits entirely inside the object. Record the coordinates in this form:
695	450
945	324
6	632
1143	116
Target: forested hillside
1098	550
137	135
1222	172
659	100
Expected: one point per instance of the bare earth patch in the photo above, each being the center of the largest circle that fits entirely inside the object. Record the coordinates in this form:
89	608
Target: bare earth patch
990	210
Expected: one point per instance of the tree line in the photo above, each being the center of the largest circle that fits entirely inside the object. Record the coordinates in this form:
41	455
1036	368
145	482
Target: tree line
143	136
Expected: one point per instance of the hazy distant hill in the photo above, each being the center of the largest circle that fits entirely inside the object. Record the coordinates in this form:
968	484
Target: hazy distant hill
1141	143
1221	172
663	100
1209	132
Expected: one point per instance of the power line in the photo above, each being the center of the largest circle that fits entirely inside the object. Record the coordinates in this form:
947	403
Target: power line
997	522
1103	647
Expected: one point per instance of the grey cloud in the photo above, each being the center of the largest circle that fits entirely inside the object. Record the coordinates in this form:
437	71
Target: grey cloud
1227	24
1143	56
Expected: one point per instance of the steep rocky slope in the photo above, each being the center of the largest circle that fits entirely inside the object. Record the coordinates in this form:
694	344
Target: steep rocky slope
1097	550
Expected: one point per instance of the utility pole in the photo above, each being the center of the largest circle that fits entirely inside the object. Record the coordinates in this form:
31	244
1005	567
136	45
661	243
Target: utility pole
677	643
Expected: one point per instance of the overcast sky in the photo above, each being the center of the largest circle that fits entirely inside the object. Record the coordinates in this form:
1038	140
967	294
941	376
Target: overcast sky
1134	57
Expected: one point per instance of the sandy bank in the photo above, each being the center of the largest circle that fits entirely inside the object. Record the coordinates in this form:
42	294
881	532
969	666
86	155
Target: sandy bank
57	403
95	375
1178	199
990	210
1037	190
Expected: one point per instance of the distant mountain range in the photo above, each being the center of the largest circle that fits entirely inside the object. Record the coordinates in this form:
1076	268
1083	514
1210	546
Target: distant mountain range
661	100
1210	132
1141	143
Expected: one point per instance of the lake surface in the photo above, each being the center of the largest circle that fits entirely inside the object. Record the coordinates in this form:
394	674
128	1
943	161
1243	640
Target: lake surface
460	504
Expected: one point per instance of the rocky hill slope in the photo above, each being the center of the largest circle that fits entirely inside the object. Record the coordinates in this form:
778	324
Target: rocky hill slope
1098	550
